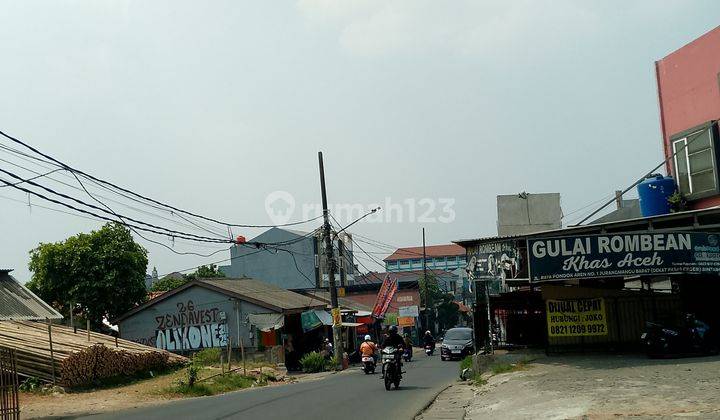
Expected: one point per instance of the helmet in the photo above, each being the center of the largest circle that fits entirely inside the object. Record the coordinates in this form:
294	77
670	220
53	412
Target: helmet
427	332
368	338
393	329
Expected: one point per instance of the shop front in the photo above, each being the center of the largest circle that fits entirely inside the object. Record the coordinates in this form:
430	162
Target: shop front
596	287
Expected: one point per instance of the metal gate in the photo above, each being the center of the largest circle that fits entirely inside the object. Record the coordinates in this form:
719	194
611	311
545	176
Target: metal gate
9	403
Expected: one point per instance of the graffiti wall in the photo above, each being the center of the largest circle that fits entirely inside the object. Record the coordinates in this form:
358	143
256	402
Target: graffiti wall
191	328
191	320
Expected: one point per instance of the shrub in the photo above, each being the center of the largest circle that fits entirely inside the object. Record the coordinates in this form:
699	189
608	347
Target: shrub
192	374
32	384
466	363
313	362
332	364
207	357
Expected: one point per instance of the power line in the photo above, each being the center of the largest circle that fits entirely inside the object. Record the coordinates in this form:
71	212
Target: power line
71	169
192	226
171	232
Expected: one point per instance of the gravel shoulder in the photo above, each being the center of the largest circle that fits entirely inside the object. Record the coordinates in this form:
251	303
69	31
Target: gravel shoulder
600	387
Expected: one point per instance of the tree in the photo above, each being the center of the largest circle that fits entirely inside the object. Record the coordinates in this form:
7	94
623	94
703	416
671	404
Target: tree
168	282
102	273
448	312
175	280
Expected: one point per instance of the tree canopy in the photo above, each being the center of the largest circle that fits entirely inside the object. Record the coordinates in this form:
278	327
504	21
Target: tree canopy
174	280
102	273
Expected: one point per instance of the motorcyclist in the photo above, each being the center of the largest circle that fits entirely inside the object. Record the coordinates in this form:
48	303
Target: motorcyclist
368	348
429	340
393	339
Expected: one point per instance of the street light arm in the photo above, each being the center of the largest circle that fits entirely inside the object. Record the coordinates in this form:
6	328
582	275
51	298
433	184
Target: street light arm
356	220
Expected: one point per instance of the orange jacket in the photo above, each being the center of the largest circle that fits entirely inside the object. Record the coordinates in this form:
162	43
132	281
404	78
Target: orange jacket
367	348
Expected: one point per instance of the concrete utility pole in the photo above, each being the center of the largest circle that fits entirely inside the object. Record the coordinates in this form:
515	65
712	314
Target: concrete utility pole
427	294
329	255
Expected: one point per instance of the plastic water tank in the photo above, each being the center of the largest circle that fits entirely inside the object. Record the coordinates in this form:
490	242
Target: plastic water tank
654	192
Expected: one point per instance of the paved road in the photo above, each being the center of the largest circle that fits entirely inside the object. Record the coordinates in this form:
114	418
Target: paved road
347	395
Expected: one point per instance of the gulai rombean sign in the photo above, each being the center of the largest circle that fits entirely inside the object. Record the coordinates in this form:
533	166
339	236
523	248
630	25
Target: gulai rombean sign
623	254
576	317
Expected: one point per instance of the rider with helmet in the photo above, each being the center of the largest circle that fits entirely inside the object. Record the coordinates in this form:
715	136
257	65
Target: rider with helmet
393	339
368	348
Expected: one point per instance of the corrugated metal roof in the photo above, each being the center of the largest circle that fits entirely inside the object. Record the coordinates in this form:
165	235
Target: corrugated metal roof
18	303
264	292
255	291
344	303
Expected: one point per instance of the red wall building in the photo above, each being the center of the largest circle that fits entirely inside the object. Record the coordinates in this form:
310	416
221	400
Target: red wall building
689	98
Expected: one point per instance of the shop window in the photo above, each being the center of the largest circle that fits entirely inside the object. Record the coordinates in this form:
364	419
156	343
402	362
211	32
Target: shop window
695	163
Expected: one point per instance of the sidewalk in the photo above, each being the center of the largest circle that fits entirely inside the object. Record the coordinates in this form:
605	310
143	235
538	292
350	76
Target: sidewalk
592	386
450	403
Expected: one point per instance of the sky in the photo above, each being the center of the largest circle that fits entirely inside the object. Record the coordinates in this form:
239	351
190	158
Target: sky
428	108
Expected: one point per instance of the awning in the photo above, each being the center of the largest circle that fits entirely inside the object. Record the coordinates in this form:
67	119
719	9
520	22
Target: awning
324	317
267	322
352	324
363	313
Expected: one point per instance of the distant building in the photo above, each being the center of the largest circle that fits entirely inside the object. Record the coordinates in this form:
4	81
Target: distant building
440	257
292	260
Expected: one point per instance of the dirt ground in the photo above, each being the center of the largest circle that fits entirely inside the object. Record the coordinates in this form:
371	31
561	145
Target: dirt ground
140	393
602	387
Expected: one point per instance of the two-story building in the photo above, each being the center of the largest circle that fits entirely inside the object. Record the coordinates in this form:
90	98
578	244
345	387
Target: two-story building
440	257
292	259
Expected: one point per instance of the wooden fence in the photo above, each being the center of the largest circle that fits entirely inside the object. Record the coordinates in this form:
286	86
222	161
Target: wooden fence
9	403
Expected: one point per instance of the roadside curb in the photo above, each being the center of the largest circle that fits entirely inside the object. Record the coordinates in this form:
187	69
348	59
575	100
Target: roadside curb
432	400
450	403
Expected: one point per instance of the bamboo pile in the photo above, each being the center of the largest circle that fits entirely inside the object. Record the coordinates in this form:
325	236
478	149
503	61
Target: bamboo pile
78	361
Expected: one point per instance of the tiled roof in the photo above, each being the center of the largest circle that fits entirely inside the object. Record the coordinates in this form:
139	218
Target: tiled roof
18	303
415	252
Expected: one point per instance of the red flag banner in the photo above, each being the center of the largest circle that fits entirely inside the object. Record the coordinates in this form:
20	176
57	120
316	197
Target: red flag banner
389	297
380	299
385	295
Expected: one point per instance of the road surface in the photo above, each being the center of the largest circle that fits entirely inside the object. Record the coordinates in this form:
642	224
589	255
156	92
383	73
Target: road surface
347	395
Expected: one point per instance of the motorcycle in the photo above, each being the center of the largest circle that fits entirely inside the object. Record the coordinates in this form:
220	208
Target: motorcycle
368	364
392	372
693	338
407	354
429	350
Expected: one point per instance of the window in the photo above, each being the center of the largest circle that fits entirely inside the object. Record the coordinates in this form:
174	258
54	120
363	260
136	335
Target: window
695	163
404	263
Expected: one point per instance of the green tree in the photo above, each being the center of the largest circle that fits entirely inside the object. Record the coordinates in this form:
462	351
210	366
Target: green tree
168	283
205	272
101	272
448	312
174	280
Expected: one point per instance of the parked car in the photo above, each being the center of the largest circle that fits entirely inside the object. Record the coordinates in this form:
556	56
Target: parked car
457	343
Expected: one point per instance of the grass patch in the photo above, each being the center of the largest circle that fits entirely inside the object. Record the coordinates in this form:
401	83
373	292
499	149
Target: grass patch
217	385
478	380
466	363
207	357
313	362
499	368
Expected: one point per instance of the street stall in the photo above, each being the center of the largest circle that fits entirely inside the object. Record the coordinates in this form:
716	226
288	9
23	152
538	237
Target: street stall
596	286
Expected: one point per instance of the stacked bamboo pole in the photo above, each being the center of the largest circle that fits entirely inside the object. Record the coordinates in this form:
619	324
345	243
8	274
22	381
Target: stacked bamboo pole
75	358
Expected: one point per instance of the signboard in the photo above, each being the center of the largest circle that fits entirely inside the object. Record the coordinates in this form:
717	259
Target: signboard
390	319
497	259
576	317
406	321
409	311
309	321
341	292
623	254
336	316
384	297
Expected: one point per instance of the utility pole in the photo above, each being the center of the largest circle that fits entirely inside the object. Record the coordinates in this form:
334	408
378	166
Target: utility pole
330	257
427	294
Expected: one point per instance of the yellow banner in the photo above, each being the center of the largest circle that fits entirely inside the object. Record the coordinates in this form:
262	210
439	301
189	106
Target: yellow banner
576	317
337	318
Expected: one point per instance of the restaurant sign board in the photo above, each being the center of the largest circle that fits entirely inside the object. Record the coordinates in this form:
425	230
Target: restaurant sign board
623	254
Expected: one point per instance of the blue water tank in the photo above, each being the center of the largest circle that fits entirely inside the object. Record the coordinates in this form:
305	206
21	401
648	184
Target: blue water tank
654	192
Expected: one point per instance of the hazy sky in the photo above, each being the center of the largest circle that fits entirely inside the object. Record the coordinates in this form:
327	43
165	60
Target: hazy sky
211	106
